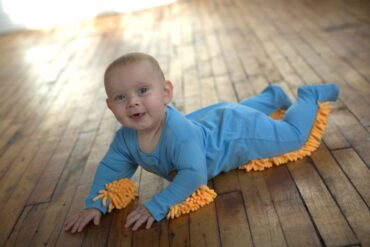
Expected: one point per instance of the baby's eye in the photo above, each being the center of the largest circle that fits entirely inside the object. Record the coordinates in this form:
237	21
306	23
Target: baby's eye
143	90
120	98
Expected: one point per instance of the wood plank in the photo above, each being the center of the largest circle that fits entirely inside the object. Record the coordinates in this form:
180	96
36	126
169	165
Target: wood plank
52	222
326	215
333	137
294	219
208	92
11	144
203	226
354	132
4	125
356	170
77	204
101	144
225	89
18	195
226	182
232	62
329	76
262	216
164	238
254	41
18	167
175	76
243	90
178	231
144	237
49	178
119	235
335	23
191	92
350	202
52	172
98	235
26	226
329	57
232	220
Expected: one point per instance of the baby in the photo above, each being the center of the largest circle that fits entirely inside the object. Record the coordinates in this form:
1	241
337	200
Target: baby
189	150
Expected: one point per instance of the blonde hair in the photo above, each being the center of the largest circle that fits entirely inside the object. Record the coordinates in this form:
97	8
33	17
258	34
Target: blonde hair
130	58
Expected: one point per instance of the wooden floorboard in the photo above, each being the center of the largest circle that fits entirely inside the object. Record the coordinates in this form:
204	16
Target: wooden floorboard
55	127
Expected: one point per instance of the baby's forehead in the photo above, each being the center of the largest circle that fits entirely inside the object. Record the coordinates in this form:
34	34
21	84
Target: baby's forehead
134	66
134	71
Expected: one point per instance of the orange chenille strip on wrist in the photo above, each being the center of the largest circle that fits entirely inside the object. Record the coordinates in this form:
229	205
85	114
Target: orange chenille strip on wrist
200	198
119	193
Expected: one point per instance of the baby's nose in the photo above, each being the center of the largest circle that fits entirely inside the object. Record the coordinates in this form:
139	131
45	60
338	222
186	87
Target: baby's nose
133	101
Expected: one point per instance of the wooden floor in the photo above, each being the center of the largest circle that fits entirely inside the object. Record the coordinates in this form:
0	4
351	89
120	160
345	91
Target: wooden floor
55	127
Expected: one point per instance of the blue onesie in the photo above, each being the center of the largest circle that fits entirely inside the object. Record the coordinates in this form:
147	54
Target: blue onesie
214	139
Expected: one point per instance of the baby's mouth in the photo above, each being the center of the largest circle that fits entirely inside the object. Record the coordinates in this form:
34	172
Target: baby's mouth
137	115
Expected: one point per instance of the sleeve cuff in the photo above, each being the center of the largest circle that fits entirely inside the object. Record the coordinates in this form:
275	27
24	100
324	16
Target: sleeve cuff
97	204
153	208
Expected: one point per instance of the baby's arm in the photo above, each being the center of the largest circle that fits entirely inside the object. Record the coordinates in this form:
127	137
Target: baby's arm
116	164
190	163
187	180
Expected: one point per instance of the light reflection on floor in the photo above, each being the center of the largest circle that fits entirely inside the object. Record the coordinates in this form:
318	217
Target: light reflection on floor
45	13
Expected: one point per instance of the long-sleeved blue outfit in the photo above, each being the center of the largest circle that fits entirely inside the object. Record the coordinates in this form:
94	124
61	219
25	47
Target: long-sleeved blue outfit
212	140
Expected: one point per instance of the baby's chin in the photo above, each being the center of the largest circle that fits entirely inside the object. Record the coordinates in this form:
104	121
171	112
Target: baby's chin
136	127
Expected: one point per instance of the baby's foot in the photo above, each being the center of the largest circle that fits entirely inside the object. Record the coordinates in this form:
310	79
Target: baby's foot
322	92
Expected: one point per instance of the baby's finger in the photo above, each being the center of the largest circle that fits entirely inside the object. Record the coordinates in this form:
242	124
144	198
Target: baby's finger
70	222
134	217
139	222
70	219
149	222
97	219
75	226
84	221
132	214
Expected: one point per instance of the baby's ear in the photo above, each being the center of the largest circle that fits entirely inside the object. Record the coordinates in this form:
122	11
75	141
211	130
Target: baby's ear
168	91
108	104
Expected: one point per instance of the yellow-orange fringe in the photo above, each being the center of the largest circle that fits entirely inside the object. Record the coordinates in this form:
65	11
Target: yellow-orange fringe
119	193
200	198
279	114
311	144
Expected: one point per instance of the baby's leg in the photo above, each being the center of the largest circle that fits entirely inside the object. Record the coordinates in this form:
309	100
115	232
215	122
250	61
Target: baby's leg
302	113
273	138
271	99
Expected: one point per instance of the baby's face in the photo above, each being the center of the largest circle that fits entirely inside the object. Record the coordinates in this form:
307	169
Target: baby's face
137	95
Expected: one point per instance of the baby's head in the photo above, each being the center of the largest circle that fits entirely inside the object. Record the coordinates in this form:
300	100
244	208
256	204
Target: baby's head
137	91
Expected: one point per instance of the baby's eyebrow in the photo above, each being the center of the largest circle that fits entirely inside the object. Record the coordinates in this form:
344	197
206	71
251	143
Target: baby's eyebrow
141	84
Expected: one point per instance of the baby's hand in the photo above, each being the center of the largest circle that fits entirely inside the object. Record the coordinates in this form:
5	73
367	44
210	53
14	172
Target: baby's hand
140	215
77	222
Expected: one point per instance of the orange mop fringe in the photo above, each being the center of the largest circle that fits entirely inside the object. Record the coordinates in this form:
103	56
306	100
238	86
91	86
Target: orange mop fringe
121	192
200	198
312	143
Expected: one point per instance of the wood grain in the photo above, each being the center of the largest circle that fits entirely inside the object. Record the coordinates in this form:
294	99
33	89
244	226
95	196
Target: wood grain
55	127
